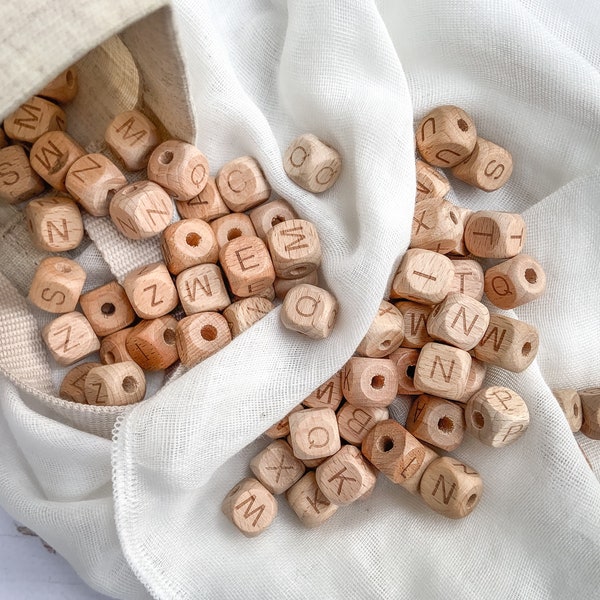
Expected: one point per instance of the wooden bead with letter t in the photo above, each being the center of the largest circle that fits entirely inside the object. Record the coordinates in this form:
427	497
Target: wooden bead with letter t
34	118
201	335
70	338
310	310
52	155
314	433
107	308
308	502
55	223
468	278
18	181
57	285
151	291
201	289
494	234
115	385
242	184
276	467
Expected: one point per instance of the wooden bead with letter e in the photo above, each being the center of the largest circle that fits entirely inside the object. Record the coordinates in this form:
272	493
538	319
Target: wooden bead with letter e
207	205
152	343
113	348
107	308
405	360
431	183
436	226
232	226
309	503
310	310
70	338
494	234
241	315
57	285
281	429
385	333
63	88
34	118
369	381
188	243
242	184
415	317
590	407
18	181
118	384
151	291
354	422
570	402
55	223
200	336
52	155
314	433
468	278
72	386
276	467
269	214
327	395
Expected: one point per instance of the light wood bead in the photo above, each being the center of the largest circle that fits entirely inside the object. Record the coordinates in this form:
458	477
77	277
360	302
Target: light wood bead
442	370
488	167
354	422
113	348
385	333
371	382
309	503
241	315
415	317
242	184
200	336
312	164
570	403
314	433
508	343
437	422
132	136
295	248
52	155
202	289
232	226
107	308
281	429
276	467
309	310
34	118
327	395
450	487
250	507
496	416
3	139
188	243
431	183
314	463
423	276
494	234
405	361
436	226
72	386
18	181
475	380
118	384
57	285
55	223
151	344
515	282
92	180
268	293
151	291
265	216
70	338
64	87
460	248
590	408
207	205
468	278
283	286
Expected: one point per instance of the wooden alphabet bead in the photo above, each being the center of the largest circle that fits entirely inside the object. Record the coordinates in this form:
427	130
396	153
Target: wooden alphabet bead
207	205
436	421
385	333
590	407
369	381
242	184
442	370
200	336
57	284
63	88
132	137
55	223
151	344
283	286
415	317
70	338
405	360
496	416
431	183
354	422
188	243
18	181
570	402
468	278
308	502
72	386
508	343
93	180
118	384
151	291
281	429
515	282
232	226
450	487
475	380
250	507
268	293
107	308
269	214
446	136
312	164
113	348
310	310
460	249
494	234
52	155
488	167
436	226
241	315
423	276
327	395
34	118
314	433
276	467
180	168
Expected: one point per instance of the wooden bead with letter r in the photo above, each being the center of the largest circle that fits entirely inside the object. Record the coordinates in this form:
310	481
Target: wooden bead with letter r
310	310
55	223
57	285
115	385
52	155
18	181
70	338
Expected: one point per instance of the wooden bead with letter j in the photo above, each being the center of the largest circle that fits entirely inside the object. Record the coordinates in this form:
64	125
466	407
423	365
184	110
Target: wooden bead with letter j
310	310
276	467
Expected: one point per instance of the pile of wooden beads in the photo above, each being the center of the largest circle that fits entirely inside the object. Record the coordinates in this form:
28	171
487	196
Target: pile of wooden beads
581	409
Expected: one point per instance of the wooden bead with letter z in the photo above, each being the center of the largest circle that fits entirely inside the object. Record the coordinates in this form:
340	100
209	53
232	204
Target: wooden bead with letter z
151	291
495	234
107	308
18	181
310	310
34	118
369	381
72	386
242	184
57	285
201	335
115	385
70	338
55	223
308	502
188	243
385	333
152	343
570	402
276	467
314	433
52	155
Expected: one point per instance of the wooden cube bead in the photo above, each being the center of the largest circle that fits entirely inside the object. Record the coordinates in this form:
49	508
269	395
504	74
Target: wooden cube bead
450	487
310	310
152	343
113	348
265	216
188	243
446	136
508	343
496	416
494	234
57	285
314	433
475	379
385	333
488	167
34	118
151	291
431	183
309	503
52	155
72	386
570	402
232	226
354	422
64	87
460	248
283	286
207	205
250	507
370	381
18	181
241	315
415	317
436	226
436	421
405	361
242	184
327	395
93	180
132	137
200	336
118	384
3	138
423	276
590	408
281	429
442	370
276	467
70	338
107	308
468	278
515	282
268	293
55	223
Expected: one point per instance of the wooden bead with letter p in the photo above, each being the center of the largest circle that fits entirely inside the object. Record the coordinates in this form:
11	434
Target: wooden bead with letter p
52	155
310	310
314	433
495	234
242	184
70	338
57	285
55	223
201	335
151	291
18	181
115	385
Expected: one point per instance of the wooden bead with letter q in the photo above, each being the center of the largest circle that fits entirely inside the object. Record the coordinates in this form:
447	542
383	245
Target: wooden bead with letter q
369	381
310	310
242	184
70	338
495	234
200	336
55	223
107	308
314	433
151	344
151	290
57	285
34	118
385	333
18	181
52	155
115	385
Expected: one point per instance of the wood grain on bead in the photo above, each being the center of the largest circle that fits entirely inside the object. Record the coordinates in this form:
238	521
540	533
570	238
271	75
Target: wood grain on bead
495	234
415	317
113	348
57	285
151	291
276	467
431	183
52	155
265	216
107	308
232	226
241	315
18	181
151	343
281	429
436	226
70	338
590	407
385	334
468	278
34	118
188	243
354	422
405	361
55	223
369	381
327	395
118	384
72	386
201	335
3	139
283	286
460	248
242	184
570	403
475	380
314	433
207	205
268	293
309	310
309	503
64	87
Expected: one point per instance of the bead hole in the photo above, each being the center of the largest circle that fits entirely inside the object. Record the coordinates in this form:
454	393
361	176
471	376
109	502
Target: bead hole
108	308
234	233
129	384
575	410
410	371
276	220
169	336
166	157
385	443
209	333
110	194
192	239
471	501
109	358
385	344
530	276
70	78
298	271
526	349
377	382
478	420
446	425
462	125
62	267
454	217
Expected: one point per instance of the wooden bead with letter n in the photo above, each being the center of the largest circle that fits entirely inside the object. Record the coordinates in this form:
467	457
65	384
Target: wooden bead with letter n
590	406
34	118
201	289
18	181
55	223
310	310
276	467
152	344
115	385
309	503
63	88
369	381
107	308
241	315
207	205
494	234
188	243
570	402
72	386
314	433
201	335
242	184
70	338
151	291
52	155
57	285
385	333
327	395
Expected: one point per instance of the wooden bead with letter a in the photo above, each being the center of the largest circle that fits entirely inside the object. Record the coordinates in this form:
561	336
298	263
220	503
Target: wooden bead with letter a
310	310
494	234
276	467
18	181
57	285
309	503
201	335
55	223
52	155
34	118
151	291
115	385
314	433
242	184
70	338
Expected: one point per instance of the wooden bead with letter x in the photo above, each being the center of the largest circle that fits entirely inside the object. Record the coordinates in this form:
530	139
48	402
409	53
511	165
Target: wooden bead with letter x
276	467
310	310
